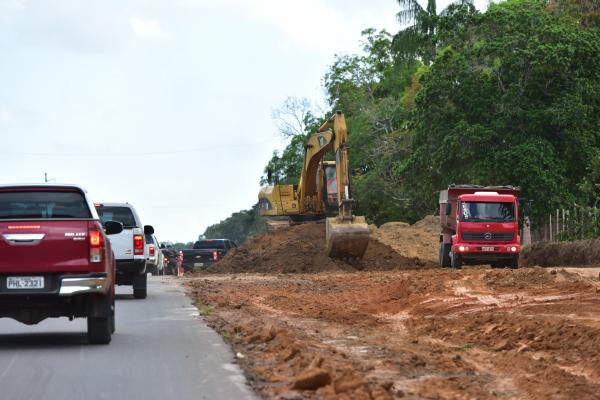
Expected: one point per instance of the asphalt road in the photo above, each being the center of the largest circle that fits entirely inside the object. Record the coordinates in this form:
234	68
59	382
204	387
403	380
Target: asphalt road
161	350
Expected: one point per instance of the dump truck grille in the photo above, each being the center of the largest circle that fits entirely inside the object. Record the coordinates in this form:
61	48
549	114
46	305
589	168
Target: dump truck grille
485	236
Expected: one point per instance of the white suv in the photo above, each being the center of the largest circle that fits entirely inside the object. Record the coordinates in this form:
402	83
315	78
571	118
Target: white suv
129	246
154	257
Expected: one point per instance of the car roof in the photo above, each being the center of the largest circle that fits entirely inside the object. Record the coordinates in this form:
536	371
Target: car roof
43	184
105	204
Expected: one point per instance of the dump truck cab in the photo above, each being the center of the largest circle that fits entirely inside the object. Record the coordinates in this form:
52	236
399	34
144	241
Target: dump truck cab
479	226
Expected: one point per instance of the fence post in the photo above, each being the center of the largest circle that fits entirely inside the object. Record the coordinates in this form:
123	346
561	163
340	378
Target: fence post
550	227
526	231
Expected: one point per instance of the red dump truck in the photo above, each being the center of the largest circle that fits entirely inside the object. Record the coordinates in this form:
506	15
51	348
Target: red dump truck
480	225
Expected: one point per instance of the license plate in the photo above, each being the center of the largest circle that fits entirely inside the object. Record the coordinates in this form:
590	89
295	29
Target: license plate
487	249
25	282
198	264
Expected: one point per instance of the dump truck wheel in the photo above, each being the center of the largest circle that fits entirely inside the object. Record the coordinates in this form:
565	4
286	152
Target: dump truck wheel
445	261
456	261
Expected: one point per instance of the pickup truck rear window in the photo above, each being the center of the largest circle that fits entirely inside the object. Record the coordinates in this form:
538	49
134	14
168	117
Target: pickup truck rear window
43	205
209	244
119	214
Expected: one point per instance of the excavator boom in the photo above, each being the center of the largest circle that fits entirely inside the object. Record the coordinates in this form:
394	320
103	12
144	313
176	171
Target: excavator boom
347	235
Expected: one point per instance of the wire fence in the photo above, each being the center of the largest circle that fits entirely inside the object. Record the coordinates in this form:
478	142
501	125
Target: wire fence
577	223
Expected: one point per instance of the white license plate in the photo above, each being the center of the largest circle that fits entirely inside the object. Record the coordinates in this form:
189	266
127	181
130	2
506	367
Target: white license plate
25	282
198	264
487	249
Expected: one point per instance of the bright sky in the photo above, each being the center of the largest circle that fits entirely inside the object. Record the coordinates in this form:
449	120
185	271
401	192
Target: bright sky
165	104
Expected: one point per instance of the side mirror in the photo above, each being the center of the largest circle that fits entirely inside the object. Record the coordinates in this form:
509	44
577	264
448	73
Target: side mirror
113	227
148	230
448	208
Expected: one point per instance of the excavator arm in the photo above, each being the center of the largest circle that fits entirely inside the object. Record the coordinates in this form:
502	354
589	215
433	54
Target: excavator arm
347	235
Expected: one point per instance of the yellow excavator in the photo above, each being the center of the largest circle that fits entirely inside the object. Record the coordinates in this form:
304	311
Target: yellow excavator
323	188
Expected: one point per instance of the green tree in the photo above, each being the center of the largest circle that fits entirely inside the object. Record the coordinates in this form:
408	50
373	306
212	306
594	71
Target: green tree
420	39
515	101
238	227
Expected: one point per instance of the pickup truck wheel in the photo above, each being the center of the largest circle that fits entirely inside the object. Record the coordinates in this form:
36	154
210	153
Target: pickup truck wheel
456	261
112	316
445	255
514	262
140	284
99	330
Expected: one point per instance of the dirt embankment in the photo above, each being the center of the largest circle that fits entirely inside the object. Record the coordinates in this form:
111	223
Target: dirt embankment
551	254
443	334
301	249
420	240
390	326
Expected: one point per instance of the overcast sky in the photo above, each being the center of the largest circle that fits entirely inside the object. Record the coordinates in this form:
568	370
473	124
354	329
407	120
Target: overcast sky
165	104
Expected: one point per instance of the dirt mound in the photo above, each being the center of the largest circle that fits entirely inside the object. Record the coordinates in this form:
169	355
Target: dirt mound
301	248
531	277
418	240
551	254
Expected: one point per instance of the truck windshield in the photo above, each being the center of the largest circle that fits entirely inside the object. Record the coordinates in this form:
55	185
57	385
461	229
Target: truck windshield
487	212
43	205
209	244
119	214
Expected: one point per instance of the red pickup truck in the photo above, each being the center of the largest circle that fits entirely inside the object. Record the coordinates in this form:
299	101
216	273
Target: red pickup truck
55	258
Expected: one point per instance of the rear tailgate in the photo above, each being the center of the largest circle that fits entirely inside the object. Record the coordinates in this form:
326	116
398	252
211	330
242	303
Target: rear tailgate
122	244
50	246
193	257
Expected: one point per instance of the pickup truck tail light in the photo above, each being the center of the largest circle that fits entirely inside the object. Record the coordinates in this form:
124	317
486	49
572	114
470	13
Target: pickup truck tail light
215	255
151	251
138	245
96	245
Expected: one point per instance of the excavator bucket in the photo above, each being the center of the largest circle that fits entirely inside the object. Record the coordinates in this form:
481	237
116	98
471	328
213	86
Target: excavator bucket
347	239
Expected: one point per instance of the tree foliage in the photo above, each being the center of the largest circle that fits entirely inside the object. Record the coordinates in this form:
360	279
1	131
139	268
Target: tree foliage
238	227
515	101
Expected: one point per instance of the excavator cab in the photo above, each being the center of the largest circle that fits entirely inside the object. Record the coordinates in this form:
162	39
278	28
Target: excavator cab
330	188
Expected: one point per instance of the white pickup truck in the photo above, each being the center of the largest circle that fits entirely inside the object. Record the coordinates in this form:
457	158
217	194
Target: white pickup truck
129	246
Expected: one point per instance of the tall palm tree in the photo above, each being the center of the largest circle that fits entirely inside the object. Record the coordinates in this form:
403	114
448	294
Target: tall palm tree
418	39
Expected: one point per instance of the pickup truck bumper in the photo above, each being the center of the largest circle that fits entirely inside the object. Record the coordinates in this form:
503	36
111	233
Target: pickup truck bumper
77	285
66	295
63	285
131	266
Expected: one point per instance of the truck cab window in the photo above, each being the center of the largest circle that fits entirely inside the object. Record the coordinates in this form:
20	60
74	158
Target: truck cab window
487	212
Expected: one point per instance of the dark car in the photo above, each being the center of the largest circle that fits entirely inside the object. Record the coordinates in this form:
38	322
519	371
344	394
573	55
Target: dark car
206	252
170	259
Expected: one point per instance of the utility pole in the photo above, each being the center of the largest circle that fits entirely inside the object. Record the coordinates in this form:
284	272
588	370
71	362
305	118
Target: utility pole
46	179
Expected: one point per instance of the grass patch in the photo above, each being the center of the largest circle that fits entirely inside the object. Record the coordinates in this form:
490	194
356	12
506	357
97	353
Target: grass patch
204	310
